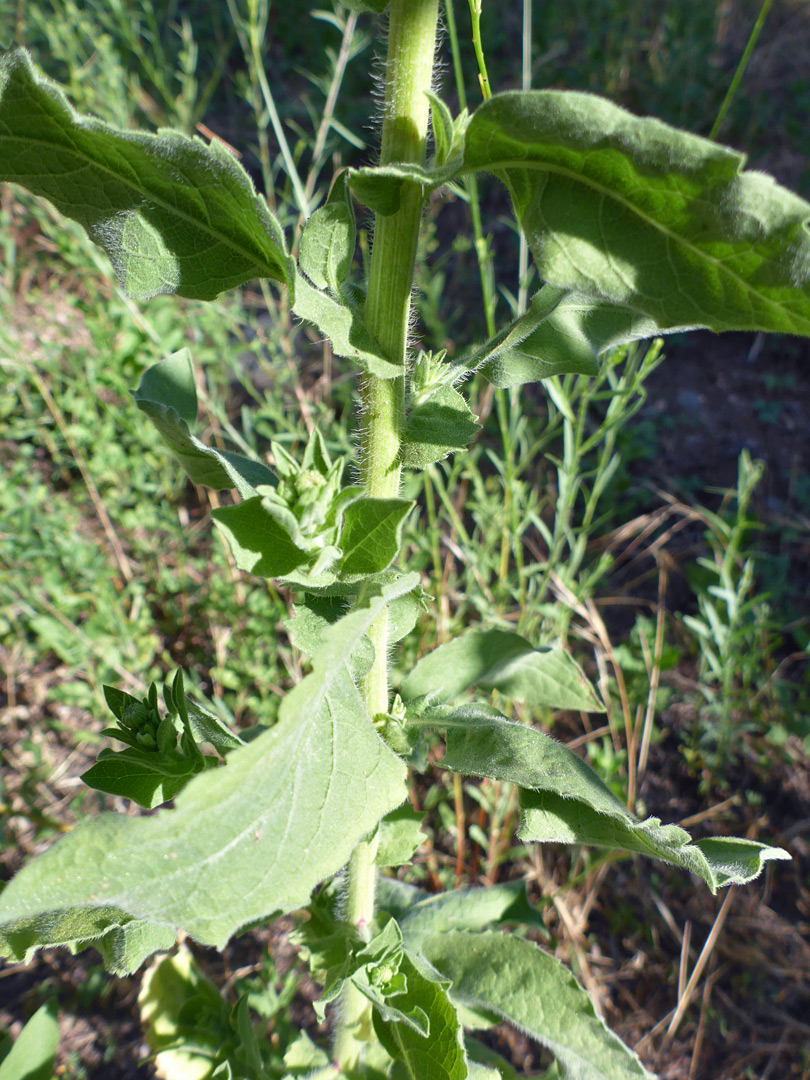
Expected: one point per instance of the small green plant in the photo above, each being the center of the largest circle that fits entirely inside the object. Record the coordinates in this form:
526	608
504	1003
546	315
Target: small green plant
637	229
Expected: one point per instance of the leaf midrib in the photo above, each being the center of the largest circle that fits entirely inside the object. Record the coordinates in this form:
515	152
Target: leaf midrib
571	174
135	137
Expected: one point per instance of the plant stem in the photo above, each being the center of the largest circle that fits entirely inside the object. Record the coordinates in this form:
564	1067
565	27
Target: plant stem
409	72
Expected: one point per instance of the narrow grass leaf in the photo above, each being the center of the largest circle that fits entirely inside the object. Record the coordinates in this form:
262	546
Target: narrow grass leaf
167	395
242	842
173	214
525	986
499	660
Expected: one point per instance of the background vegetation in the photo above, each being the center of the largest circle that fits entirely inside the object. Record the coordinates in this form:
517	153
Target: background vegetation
656	518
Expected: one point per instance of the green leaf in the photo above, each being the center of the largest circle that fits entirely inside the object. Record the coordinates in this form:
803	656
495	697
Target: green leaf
149	779
33	1053
342	323
420	915
243	841
525	986
399	836
174	215
437	427
168	397
561	332
498	660
564	801
209	728
372	535
441	123
440	1054
719	861
259	541
641	214
327	242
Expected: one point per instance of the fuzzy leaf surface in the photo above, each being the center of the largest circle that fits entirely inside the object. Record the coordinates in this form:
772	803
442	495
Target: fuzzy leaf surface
32	1055
243	841
641	214
529	988
437	427
564	801
167	395
399	836
173	214
259	542
439	1055
719	860
327	242
499	660
344	326
372	534
561	332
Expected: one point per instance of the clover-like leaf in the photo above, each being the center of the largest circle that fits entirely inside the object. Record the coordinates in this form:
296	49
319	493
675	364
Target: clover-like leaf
174	214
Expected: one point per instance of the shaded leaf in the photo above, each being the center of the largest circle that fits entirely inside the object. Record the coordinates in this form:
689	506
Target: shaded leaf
168	397
327	242
243	841
525	986
342	323
372	534
641	214
149	779
499	660
437	427
34	1050
259	542
399	836
172	213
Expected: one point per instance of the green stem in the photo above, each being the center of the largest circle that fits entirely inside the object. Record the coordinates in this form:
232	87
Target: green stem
409	72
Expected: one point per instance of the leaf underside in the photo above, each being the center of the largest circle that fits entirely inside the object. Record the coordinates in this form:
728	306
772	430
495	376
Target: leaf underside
243	841
174	214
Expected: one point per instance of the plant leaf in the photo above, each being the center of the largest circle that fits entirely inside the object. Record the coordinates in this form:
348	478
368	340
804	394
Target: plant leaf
564	801
440	1054
547	817
34	1050
172	213
372	534
499	660
259	542
400	836
561	332
243	841
437	427
525	986
641	214
168	397
421	914
342	323
327	242
149	779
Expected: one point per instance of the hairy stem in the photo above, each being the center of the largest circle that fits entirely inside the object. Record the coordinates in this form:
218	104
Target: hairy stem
409	71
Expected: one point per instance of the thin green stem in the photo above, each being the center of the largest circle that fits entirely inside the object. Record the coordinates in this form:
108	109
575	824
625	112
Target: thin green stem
409	72
743	64
483	78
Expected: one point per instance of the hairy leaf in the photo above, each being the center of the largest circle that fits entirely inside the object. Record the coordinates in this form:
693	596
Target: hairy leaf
149	779
642	214
719	860
327	242
561	332
174	215
438	1055
564	800
32	1055
259	541
372	534
243	841
498	660
524	985
399	836
342	323
437	427
168	397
